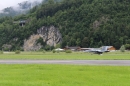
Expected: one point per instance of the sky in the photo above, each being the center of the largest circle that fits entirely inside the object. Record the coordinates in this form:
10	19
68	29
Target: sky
8	3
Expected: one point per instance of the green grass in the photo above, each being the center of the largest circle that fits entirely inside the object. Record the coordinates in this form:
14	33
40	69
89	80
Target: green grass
63	55
64	75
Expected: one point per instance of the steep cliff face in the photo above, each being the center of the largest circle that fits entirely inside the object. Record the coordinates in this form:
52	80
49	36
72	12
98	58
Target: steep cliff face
51	36
31	43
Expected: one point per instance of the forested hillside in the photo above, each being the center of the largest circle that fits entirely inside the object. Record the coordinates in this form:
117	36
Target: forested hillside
85	23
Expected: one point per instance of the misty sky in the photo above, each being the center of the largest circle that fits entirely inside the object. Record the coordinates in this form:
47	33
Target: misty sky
8	3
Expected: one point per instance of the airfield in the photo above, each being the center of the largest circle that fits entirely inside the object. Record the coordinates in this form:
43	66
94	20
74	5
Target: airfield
76	58
64	69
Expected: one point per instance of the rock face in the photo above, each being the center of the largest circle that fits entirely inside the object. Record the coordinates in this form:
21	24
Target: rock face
31	43
51	36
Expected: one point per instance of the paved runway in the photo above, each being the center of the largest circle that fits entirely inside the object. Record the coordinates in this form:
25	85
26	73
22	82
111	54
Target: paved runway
74	62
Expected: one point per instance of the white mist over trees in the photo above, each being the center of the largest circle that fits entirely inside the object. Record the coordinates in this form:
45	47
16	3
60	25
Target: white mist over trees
19	8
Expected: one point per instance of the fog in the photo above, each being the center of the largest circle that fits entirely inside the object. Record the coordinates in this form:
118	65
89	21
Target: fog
12	3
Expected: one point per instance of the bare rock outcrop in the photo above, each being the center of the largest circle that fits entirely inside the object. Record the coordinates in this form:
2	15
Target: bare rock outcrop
31	43
51	36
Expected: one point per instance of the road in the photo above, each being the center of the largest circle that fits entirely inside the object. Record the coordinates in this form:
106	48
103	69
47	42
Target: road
74	62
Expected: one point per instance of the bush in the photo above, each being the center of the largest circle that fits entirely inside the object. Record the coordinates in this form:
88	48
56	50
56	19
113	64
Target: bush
1	52
127	46
17	52
68	51
122	49
53	51
58	51
43	51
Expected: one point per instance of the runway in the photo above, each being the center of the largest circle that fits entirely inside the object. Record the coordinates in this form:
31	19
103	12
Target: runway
73	62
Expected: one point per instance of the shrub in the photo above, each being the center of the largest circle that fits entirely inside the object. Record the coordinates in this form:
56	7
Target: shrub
127	46
58	51
1	52
17	52
122	49
44	51
68	51
53	51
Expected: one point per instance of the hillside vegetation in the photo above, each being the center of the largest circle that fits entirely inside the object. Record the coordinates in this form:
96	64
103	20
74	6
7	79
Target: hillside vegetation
85	23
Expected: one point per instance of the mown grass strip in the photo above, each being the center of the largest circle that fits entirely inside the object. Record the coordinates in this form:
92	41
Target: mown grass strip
64	75
69	56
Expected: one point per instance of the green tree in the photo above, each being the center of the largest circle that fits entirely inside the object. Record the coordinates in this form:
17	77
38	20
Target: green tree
51	1
122	49
127	46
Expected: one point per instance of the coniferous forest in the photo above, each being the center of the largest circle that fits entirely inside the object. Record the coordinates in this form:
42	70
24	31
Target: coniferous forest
84	23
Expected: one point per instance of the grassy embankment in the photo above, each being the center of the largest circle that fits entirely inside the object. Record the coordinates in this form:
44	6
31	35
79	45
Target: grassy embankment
64	75
63	55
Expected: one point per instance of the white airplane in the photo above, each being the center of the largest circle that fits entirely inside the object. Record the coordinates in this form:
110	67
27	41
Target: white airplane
98	50
59	49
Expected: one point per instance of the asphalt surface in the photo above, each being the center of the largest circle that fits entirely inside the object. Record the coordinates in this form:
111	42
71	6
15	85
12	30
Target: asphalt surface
74	62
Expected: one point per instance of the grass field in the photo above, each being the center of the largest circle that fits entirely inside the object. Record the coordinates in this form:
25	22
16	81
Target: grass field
63	55
64	75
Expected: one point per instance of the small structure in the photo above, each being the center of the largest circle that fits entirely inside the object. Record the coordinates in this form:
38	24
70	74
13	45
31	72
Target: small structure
21	22
73	48
6	47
